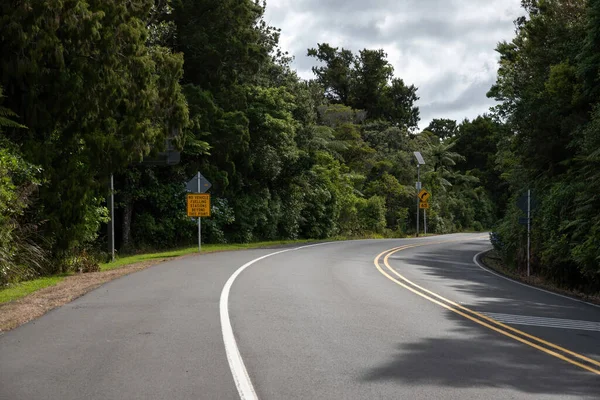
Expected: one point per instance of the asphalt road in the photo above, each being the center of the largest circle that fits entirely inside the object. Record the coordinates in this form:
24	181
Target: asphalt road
324	322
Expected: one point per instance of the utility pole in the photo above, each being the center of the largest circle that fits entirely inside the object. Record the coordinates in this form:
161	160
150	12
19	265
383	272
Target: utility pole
418	188
420	161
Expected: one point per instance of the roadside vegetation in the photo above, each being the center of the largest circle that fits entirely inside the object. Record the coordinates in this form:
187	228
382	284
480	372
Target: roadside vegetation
549	88
21	289
18	290
91	89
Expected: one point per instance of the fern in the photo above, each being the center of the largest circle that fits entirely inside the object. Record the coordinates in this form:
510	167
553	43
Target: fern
6	114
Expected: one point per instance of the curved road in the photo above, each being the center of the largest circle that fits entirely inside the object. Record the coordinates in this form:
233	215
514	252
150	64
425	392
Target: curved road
387	319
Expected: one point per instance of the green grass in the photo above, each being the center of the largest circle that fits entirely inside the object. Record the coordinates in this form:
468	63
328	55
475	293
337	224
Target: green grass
206	248
211	248
19	290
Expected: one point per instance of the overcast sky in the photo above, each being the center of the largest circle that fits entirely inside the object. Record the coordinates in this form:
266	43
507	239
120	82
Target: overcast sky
444	47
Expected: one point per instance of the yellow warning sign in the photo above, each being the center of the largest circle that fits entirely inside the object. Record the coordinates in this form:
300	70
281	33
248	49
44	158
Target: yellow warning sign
424	195
198	205
423	205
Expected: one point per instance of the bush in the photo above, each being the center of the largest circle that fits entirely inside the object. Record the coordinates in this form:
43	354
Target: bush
371	215
222	215
21	257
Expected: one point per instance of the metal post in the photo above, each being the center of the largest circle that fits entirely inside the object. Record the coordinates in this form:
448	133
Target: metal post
425	220
111	239
418	185
199	222
528	230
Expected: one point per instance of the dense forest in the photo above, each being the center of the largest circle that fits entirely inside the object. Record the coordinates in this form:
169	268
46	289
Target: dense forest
92	89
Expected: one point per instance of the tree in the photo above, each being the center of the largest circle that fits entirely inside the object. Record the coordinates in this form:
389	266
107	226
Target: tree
547	82
538	86
477	141
372	74
336	75
442	128
366	82
589	64
220	40
95	98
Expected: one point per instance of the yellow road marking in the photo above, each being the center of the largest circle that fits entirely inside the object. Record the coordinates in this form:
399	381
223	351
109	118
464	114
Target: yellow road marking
508	334
582	357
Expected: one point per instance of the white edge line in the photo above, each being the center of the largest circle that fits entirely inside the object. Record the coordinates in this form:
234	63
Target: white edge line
476	256
236	363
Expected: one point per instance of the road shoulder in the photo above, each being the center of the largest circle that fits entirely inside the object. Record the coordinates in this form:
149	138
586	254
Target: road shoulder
16	313
490	260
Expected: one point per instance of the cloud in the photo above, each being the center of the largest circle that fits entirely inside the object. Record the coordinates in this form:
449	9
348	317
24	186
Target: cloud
444	47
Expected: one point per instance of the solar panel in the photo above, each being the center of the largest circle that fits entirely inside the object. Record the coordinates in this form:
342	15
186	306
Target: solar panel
420	159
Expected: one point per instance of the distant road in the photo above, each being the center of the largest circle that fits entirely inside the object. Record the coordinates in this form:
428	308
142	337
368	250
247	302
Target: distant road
372	319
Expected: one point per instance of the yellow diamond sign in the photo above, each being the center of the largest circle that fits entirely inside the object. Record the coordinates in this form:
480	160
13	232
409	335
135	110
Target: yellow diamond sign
424	195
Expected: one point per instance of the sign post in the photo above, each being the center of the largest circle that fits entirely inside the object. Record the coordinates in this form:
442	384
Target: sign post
198	202
420	161
418	201
199	223
424	196
526	203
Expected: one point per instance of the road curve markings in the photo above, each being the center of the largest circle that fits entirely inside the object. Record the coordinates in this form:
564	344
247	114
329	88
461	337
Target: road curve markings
558	323
241	378
486	269
481	319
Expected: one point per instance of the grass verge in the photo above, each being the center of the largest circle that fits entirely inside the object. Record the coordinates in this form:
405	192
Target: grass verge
30	300
15	292
206	248
20	290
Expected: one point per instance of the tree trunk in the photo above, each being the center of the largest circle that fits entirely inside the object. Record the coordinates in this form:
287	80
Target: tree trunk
127	215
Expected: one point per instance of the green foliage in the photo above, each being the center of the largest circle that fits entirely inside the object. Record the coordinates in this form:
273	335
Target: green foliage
548	84
20	290
477	141
327	192
336	75
589	59
222	215
95	97
20	256
220	41
159	206
366	82
443	128
371	214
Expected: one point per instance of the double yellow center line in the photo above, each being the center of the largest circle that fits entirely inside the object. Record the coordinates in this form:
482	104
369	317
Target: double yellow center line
483	320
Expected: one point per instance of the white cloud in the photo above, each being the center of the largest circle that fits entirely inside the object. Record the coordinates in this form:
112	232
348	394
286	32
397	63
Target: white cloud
444	47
